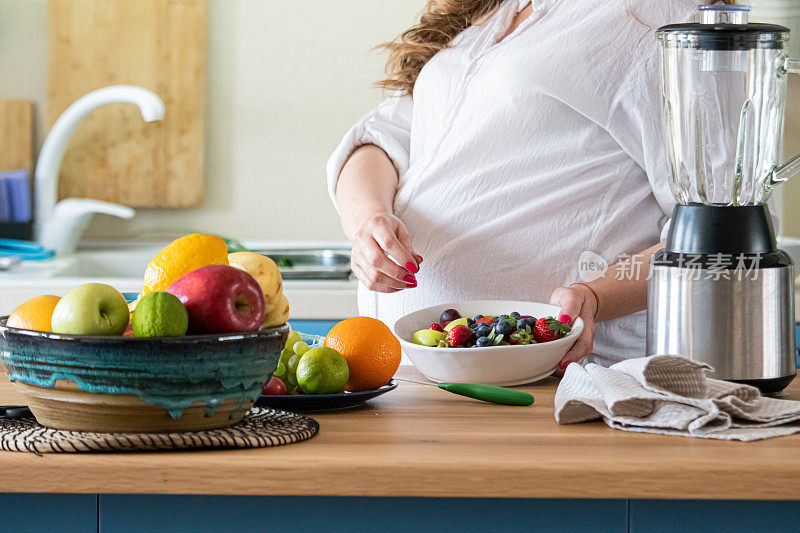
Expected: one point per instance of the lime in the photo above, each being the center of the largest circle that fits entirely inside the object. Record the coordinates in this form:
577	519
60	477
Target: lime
160	314
322	371
294	337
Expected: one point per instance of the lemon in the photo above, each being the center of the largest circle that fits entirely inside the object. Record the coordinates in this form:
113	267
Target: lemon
181	257
160	314
322	371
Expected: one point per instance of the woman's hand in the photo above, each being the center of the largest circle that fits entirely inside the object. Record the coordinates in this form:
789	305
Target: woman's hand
380	245
576	301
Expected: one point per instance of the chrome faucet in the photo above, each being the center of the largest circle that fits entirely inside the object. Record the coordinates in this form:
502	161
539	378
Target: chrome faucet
59	226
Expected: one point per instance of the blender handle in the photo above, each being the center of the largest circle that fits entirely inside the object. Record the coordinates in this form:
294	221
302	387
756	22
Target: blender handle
792	64
781	173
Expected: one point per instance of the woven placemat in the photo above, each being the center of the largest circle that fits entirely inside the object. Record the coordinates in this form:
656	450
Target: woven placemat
260	428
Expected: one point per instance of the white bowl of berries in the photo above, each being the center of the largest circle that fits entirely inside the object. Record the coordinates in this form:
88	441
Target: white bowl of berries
487	341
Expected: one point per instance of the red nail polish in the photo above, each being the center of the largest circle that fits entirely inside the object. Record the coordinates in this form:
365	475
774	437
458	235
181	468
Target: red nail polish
411	267
565	319
564	364
411	285
409	278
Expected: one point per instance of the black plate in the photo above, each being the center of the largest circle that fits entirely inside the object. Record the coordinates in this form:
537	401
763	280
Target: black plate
322	402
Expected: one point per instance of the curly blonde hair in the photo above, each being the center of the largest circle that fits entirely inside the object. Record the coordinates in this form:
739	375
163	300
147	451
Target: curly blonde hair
440	22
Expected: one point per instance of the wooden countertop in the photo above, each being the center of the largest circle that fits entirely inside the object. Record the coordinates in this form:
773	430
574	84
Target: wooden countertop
420	441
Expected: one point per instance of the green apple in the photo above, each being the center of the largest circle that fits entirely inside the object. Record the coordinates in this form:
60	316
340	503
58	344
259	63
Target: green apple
91	309
457	322
428	337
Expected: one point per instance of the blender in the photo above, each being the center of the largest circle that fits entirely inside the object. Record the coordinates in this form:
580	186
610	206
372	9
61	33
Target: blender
721	292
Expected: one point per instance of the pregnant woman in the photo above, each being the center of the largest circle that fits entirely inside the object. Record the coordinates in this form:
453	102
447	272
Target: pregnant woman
521	134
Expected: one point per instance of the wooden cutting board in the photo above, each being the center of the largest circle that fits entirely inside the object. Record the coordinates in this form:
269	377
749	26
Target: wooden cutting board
16	135
114	155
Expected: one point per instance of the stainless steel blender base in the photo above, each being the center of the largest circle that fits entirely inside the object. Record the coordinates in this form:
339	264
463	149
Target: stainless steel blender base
743	326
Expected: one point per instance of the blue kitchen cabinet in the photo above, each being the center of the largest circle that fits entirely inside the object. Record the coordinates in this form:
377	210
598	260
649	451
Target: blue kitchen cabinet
711	516
121	513
314	327
65	513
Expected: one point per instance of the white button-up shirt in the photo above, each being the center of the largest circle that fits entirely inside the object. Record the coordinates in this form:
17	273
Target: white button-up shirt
516	156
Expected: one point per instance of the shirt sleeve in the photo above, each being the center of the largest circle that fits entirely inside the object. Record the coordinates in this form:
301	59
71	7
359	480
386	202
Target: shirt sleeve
387	126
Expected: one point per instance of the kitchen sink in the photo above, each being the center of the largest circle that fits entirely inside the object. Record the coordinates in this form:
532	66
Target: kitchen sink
324	264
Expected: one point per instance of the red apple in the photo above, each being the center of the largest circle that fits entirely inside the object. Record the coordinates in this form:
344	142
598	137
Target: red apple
129	330
220	299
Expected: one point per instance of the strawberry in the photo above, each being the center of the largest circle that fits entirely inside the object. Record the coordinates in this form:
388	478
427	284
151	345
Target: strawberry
549	329
436	327
459	336
485	320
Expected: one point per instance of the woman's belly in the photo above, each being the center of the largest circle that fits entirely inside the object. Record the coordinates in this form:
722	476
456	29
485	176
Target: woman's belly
519	240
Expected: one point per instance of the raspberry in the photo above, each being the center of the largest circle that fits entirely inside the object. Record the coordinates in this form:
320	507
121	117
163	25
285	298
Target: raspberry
436	327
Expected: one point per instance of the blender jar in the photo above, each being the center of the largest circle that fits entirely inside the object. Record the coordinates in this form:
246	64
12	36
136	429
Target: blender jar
723	85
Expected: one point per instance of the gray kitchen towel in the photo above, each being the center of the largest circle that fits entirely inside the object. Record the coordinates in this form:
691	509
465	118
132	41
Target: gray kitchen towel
671	395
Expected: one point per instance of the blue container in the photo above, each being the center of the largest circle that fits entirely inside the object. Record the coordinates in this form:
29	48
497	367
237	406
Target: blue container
15	196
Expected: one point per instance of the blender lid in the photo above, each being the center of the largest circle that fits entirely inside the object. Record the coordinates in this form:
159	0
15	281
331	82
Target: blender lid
724	27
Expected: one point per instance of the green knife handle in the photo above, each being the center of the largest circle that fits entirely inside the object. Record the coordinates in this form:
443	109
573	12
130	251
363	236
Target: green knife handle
489	393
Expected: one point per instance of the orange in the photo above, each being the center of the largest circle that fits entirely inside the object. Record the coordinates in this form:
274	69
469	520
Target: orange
34	314
181	257
371	350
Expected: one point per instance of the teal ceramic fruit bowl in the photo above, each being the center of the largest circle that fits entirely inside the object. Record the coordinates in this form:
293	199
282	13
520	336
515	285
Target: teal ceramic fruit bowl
129	384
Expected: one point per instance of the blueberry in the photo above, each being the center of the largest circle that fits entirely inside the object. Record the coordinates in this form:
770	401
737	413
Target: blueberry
503	317
516	315
483	342
483	329
504	328
478	317
521	323
470	322
495	319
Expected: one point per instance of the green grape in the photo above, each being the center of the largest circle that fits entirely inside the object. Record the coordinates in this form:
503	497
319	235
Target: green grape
291	383
292	365
293	338
286	354
280	371
300	348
